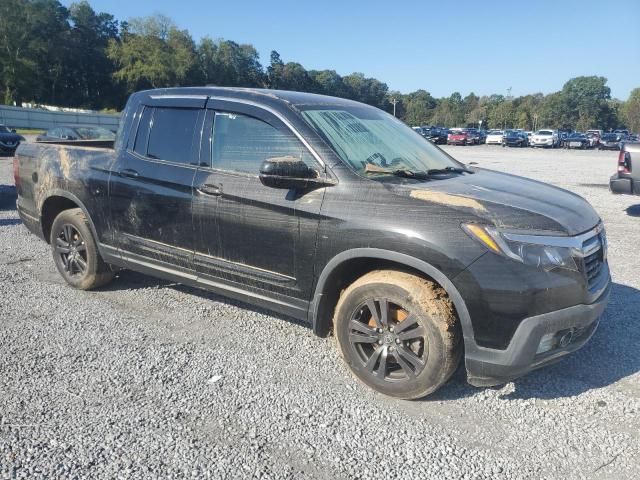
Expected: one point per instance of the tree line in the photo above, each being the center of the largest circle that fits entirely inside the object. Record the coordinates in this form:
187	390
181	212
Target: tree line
77	57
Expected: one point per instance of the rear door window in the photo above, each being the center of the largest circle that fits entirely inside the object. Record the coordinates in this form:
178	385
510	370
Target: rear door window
171	134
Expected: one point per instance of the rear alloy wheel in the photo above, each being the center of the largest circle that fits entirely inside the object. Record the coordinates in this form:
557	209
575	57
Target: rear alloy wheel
398	333
75	252
72	250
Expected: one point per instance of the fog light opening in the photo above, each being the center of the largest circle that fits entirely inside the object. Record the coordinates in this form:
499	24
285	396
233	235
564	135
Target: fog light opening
565	338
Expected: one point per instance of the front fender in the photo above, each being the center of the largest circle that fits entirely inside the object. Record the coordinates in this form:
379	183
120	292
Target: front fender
317	310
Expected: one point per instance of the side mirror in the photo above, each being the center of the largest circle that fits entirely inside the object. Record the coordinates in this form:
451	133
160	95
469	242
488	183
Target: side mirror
13	130
288	172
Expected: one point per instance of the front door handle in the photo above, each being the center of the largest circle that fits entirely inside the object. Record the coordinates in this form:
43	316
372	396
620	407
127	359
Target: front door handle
210	189
128	172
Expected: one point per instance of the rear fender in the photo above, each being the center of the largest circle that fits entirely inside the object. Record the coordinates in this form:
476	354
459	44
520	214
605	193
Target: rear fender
69	196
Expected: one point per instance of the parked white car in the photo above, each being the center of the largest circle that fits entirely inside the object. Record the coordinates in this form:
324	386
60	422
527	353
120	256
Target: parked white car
494	137
544	138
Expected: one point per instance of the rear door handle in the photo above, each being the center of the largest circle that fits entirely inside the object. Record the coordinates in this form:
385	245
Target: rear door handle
128	172
210	189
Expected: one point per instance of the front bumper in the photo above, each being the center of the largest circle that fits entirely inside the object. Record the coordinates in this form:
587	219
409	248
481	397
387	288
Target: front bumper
488	366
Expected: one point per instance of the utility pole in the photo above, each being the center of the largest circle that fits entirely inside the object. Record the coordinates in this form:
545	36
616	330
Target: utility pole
394	101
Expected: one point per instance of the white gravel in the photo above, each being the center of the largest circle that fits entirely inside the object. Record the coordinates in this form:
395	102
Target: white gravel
147	379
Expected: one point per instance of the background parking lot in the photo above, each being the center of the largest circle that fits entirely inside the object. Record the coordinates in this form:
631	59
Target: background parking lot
147	378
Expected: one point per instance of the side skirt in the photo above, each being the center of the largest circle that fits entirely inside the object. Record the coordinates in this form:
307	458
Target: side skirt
289	306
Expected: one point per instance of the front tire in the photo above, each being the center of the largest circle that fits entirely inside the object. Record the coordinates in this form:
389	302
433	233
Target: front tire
398	333
75	252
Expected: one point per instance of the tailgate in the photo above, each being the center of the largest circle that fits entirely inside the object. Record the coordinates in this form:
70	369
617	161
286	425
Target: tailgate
25	165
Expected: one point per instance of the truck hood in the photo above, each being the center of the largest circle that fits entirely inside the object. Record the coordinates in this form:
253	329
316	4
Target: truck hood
508	201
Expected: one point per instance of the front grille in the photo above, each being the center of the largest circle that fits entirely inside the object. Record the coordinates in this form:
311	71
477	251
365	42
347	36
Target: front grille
594	260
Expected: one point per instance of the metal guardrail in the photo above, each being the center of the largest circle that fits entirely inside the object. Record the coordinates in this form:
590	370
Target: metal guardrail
16	117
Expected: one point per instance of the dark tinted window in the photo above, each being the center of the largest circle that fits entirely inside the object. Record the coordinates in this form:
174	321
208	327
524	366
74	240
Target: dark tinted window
143	132
171	134
69	134
242	143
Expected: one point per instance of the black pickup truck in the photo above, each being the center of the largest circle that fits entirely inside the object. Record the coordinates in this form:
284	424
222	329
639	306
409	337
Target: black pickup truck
335	213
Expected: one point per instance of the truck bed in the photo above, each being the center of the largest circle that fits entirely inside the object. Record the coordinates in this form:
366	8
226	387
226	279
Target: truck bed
48	172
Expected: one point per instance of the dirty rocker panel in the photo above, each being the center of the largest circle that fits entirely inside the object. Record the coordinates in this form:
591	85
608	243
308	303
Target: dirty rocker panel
284	304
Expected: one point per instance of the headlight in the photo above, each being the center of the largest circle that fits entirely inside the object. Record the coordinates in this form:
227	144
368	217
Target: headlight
537	251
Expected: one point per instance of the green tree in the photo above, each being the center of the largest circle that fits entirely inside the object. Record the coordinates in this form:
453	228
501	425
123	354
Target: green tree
501	115
631	111
584	102
419	108
366	90
327	82
31	34
87	81
289	76
227	63
274	70
153	52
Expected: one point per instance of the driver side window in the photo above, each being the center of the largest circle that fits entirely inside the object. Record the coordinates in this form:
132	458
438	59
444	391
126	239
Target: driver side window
242	143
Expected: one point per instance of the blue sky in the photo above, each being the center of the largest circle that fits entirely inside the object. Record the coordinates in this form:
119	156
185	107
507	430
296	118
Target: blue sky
480	46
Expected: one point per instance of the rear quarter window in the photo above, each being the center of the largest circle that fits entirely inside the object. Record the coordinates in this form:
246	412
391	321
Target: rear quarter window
142	135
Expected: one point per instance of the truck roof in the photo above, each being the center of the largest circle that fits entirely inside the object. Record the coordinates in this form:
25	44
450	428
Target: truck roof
259	95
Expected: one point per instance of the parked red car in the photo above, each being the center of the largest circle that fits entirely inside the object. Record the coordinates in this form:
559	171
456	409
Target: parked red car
459	137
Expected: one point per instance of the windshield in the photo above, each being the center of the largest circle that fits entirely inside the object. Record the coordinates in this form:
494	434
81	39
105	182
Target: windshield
4	129
544	132
95	133
577	135
362	135
496	132
610	136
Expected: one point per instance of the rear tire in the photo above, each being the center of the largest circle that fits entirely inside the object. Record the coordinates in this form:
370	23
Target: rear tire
403	360
75	252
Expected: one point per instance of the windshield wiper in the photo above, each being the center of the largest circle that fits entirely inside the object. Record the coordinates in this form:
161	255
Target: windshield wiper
417	174
435	171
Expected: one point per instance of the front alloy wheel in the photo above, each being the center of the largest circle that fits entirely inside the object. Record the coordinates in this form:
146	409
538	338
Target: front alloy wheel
398	333
388	340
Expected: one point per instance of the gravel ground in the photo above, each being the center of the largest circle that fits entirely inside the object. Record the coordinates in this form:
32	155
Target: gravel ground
149	379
